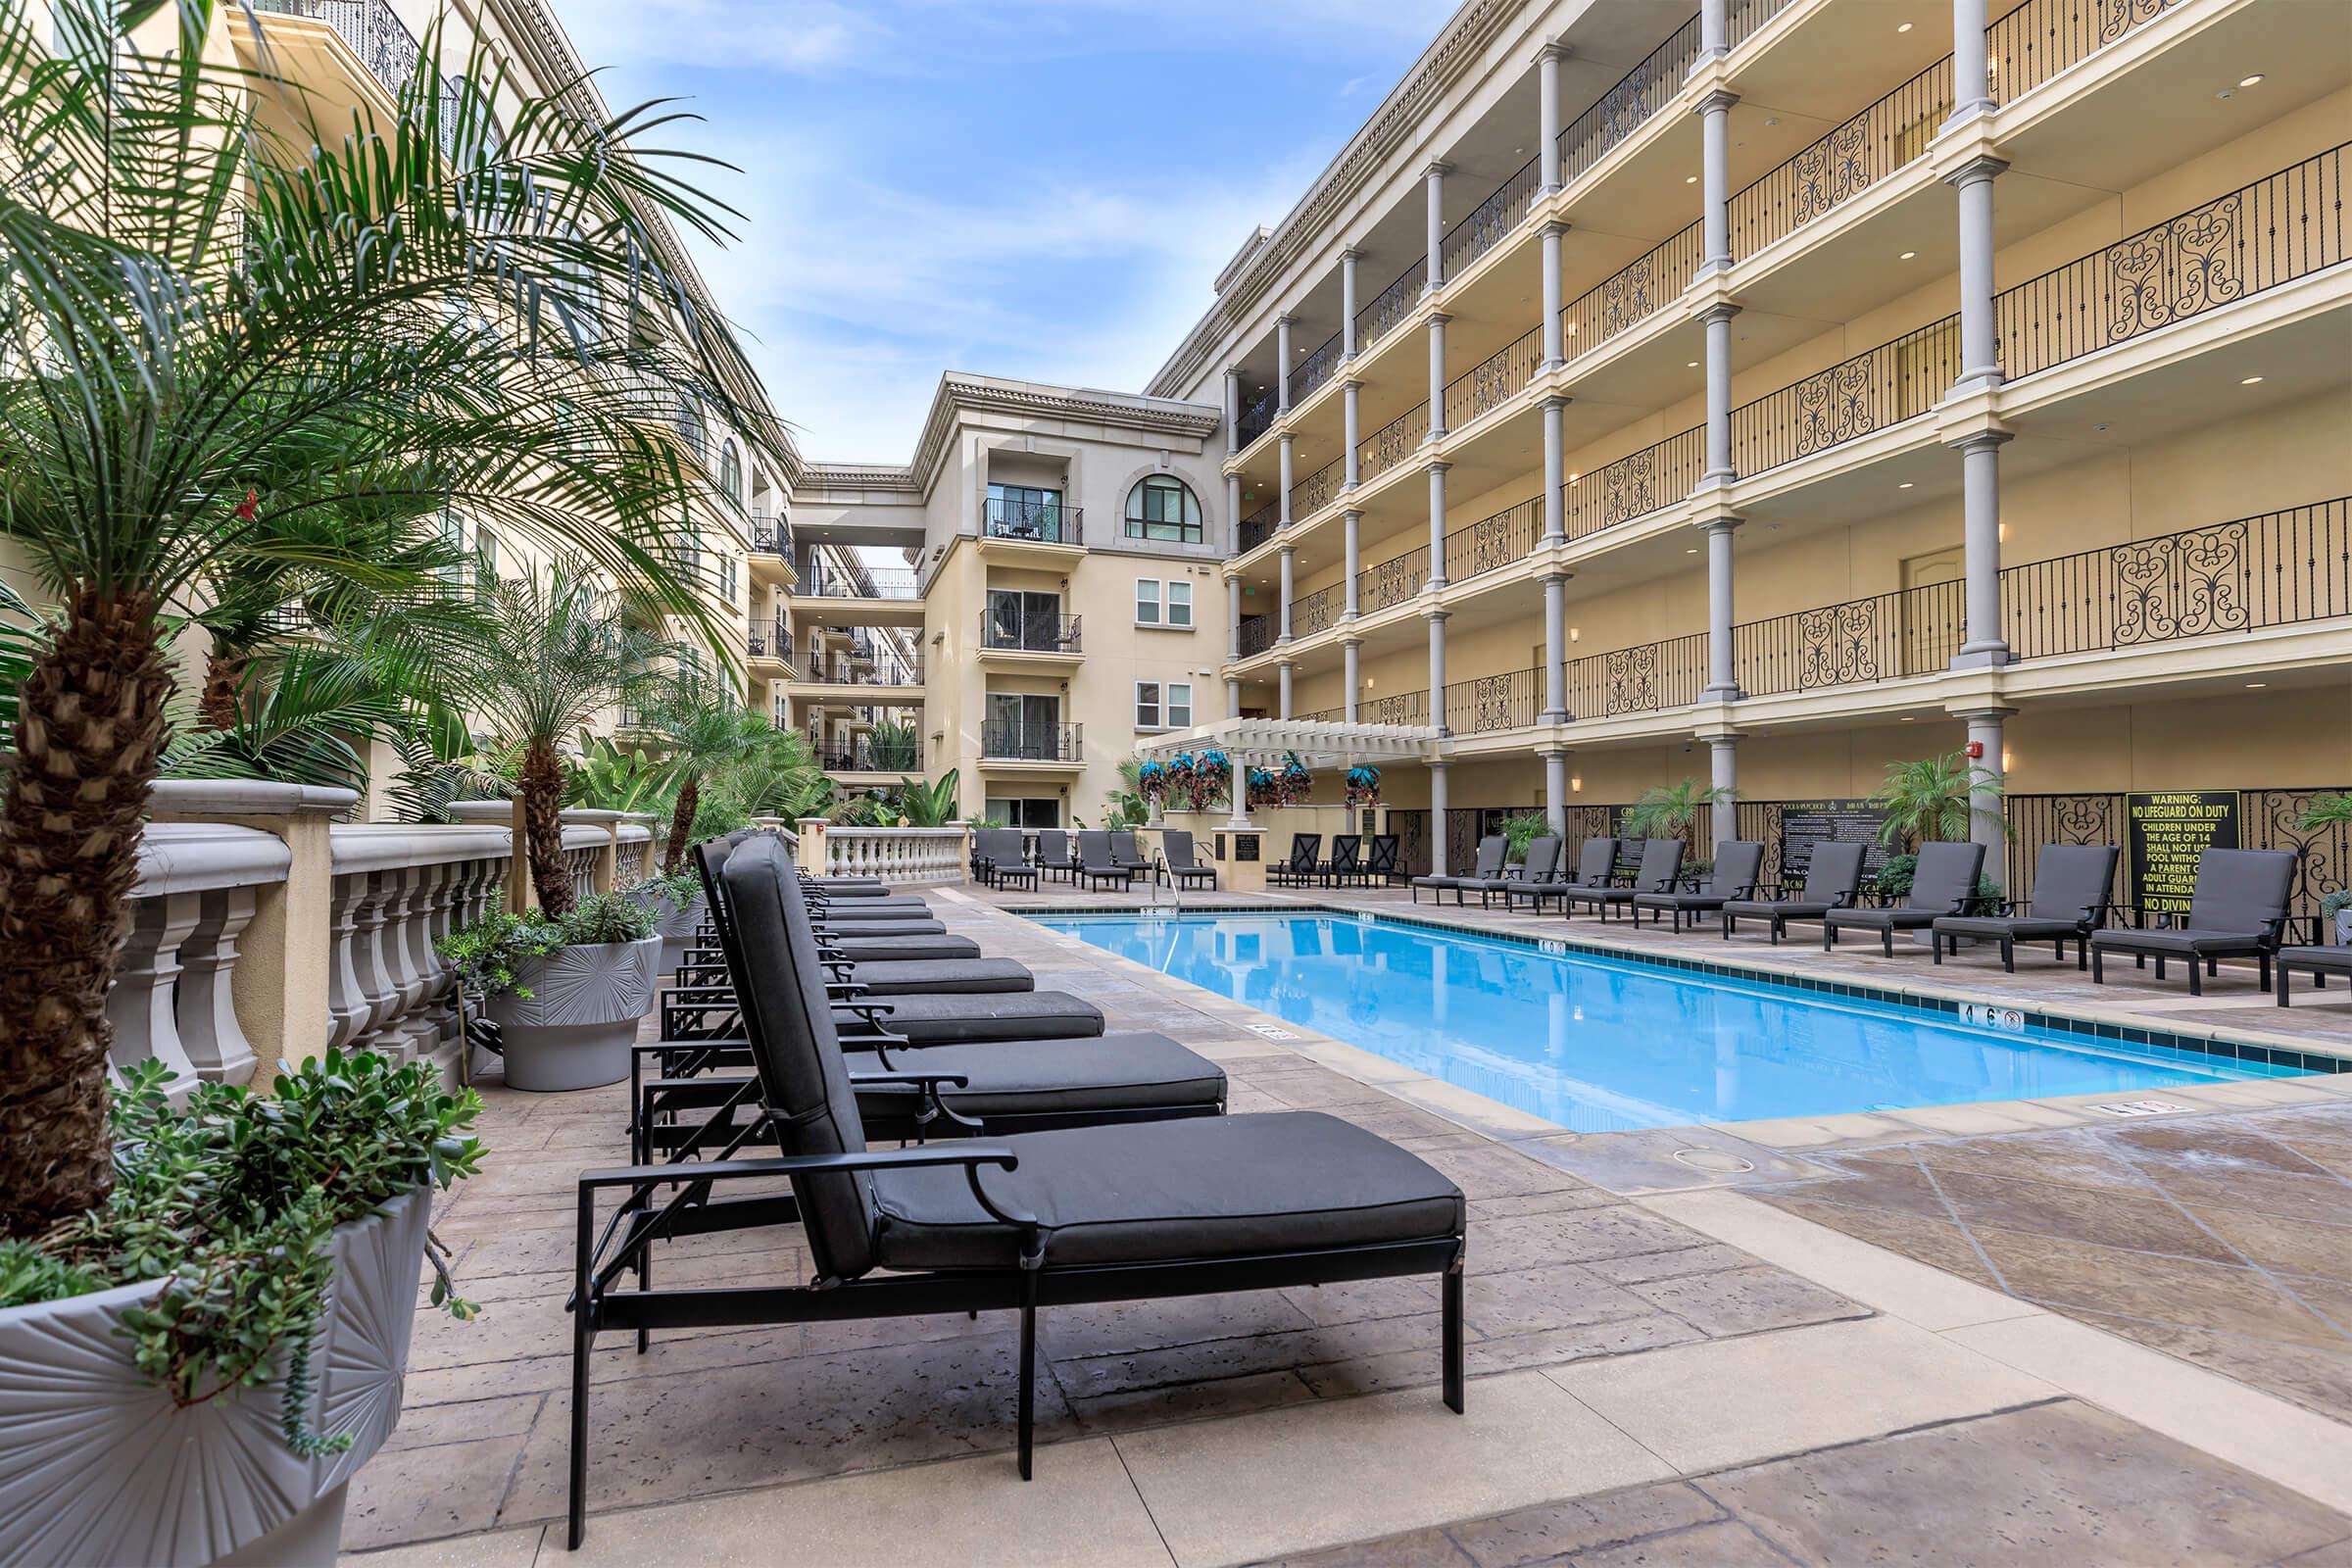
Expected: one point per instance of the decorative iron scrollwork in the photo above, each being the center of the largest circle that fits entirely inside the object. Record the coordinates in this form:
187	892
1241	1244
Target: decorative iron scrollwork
2186	584
1630	680
1838	645
2176	271
1835	406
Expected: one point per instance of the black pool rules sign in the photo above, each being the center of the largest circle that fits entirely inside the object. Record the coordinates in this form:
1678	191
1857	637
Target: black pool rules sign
2168	829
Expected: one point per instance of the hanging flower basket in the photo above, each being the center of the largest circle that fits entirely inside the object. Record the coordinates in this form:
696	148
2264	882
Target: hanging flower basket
1286	785
1363	786
1191	783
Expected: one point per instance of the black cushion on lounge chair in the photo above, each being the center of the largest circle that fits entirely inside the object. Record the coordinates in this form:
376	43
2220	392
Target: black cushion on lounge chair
1490	851
1833	879
1301	867
845	887
950	977
1139	1070
1346	860
1053	852
1942	882
1176	847
2317	963
1125	851
1542	859
1186	1189
1660	864
1738	862
873	930
863	948
1595	865
935	1019
2072	885
859	912
1098	862
2237	910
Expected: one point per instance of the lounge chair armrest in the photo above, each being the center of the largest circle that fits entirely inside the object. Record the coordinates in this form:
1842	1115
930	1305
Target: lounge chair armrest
842	990
908	1075
914	1158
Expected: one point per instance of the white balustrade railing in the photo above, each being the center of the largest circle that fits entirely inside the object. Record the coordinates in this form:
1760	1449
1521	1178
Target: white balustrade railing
195	896
398	890
634	858
903	856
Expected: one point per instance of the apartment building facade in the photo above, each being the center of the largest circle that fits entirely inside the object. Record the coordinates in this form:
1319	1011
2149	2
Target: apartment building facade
1770	392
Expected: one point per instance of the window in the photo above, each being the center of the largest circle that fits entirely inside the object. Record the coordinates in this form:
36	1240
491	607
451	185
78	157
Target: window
1146	705
1164	603
485	555
730	472
1180	603
1163	507
1147	602
1163	707
1025	512
1007	811
1180	704
728	578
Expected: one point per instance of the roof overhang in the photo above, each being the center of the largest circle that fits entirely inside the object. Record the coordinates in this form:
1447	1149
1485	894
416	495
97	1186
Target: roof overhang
1267	742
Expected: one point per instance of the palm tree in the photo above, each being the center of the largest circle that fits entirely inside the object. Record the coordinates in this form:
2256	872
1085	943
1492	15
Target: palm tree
567	652
932	805
1668	811
206	334
698	735
1934	798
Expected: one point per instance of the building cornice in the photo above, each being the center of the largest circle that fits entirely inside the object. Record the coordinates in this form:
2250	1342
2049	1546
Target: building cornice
1459	51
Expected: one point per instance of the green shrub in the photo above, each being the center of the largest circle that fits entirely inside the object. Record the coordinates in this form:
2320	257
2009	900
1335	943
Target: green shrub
487	952
1521	829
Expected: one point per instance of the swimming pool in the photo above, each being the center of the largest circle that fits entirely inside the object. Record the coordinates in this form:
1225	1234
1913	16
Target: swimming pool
1598	1043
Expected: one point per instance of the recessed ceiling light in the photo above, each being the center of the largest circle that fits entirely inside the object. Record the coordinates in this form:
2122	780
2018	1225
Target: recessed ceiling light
1690	552
1905	485
1689	365
2227	92
1905	27
1690	180
1908	256
2250	82
1908	719
2256	685
2249	380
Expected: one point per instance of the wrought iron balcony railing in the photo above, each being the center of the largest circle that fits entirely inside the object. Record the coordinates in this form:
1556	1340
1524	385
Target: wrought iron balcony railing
1646	678
1394	707
1391	443
1490	221
1624	108
1635	484
1317	611
900	669
1390	306
823	579
372	29
771	536
1317	490
1005	741
1314	371
1496	541
1257	634
2043	37
1884	637
1392	582
1494	380
1258	528
1005	629
1039	521
1843	162
1632	294
1509	701
767	639
1258	417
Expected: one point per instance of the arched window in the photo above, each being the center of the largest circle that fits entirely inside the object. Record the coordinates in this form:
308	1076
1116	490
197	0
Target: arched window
730	472
1163	507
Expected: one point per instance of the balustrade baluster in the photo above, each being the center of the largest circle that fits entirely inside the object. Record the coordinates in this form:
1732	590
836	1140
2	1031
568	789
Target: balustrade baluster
210	1034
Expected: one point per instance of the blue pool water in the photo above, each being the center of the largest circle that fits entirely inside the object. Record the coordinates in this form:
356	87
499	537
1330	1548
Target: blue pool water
1600	1044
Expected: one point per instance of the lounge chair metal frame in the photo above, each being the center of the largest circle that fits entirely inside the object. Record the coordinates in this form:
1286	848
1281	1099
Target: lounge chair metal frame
2214	942
1783	908
2010	920
1912	914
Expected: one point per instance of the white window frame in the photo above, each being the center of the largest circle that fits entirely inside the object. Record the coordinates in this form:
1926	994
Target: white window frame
1169	606
1156	707
1148	611
1168	704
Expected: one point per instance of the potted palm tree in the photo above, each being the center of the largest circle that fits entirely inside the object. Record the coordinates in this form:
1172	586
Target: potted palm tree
1934	800
1671	812
2328	813
211	330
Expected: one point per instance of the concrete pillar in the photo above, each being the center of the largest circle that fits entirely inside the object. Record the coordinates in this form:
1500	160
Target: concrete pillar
1350	653
1547	116
1555	473
1437	529
1285	671
1437	818
1284	500
1980	357
1433	181
1437	376
1972	81
1981	539
1555	350
1352	462
1718	318
1714	32
1986	817
1354	525
1722	682
1233	509
1723	756
1556	650
1347	260
1282	633
1282	363
1715	180
1556	792
1233	697
1233	617
1240	816
1437	672
1232	411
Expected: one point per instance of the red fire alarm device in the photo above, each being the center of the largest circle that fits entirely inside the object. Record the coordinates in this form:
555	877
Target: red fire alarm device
1976	748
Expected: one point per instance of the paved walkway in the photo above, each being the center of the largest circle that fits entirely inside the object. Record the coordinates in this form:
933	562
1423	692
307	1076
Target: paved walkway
1702	1373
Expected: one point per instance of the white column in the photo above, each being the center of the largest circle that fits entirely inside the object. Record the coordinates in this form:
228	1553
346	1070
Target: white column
1715	180
1284	500
1556	650
1723	757
1232	411
1350	664
1555	472
1547	116
1233	697
1285	671
1354	525
1437	376
1347	260
1437	529
1437	818
1556	792
1282	364
1985	817
1718	318
1433	179
1283	625
1556	348
1437	672
1980	538
1714	32
1233	510
1233	617
1723	684
1980	357
1972	81
1352	462
1241	796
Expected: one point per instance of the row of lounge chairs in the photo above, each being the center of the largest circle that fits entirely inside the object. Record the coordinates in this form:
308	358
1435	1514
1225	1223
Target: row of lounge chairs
1351	865
1075	1167
999	859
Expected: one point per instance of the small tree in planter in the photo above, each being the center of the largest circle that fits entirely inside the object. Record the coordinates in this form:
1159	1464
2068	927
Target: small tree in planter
1521	829
1671	812
566	992
1934	800
2336	908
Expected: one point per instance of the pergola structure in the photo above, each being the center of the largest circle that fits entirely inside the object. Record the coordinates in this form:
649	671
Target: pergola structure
1271	742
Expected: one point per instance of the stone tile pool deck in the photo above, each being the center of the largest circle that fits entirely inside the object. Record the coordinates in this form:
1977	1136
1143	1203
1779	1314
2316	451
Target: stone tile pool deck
1670	1363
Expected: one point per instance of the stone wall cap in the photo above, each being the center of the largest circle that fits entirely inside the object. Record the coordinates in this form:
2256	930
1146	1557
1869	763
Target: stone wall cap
246	797
191	856
593	813
500	811
355	847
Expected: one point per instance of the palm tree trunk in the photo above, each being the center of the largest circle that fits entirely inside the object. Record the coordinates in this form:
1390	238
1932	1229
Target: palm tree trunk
89	731
681	823
542	785
217	706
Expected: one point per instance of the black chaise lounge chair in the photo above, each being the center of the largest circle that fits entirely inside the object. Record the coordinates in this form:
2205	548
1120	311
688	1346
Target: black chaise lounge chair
1542	863
1125	851
1833	881
1301	868
1140	1211
1660	867
1096	865
1379	861
1053	858
2238	909
1595	866
2318	963
1178	862
2073	886
1347	863
1737	862
1490	851
1943	883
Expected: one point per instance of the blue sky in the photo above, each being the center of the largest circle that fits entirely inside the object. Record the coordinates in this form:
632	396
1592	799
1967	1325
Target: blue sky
1035	188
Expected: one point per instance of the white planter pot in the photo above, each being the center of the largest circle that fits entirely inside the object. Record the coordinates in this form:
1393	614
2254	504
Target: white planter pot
2343	927
574	1030
677	930
98	1466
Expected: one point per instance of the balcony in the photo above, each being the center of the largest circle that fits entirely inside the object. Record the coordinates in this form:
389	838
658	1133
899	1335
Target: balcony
1047	523
1056	747
767	641
878	597
902	671
890	755
1012	639
772	553
1258	528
